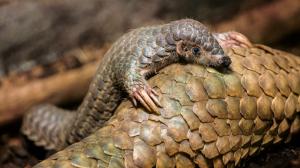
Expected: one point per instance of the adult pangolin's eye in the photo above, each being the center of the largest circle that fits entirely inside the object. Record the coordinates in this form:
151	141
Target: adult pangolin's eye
196	50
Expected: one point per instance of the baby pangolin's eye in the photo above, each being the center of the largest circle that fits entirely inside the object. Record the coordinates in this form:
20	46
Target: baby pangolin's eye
196	50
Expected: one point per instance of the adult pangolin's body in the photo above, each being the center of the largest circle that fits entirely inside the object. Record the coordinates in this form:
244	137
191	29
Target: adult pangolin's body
209	119
125	66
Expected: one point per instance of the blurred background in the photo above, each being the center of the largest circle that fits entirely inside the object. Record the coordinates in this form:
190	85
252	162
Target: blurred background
33	32
48	50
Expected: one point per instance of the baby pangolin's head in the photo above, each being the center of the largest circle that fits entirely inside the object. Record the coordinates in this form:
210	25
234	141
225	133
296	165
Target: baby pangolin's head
195	43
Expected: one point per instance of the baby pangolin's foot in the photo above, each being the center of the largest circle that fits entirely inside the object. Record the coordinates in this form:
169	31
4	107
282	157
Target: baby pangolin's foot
147	96
232	39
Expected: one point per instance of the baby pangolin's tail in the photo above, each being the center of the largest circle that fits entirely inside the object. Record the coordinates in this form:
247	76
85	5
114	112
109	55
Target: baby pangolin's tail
47	125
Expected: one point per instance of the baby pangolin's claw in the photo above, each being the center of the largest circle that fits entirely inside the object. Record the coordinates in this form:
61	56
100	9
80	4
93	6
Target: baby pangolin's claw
137	97
155	99
148	98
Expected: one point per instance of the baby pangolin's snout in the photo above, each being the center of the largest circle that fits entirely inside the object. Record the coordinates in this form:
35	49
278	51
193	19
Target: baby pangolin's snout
225	61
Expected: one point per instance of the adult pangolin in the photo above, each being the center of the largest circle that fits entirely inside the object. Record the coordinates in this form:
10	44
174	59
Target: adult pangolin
209	118
124	69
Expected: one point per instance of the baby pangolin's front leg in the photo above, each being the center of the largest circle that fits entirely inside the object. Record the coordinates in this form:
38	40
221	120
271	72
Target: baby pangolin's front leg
139	90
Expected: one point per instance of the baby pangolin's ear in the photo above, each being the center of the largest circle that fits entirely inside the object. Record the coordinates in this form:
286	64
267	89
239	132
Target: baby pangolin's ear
180	47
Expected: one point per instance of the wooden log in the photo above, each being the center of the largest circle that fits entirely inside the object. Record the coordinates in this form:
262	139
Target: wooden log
19	93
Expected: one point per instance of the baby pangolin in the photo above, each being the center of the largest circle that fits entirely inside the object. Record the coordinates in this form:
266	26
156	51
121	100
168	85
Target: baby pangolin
124	69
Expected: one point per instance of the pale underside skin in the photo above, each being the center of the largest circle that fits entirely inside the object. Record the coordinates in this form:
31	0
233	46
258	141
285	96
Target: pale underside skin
209	118
122	73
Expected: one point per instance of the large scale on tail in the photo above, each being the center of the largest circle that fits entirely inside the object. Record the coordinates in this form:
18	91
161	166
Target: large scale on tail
124	69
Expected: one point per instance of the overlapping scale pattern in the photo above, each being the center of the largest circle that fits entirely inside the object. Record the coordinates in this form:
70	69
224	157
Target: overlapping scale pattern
209	119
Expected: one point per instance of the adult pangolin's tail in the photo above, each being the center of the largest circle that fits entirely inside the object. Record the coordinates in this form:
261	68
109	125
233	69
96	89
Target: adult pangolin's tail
46	125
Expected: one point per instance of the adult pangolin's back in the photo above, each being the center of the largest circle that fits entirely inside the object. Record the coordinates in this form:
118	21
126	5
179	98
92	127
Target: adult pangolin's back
209	118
